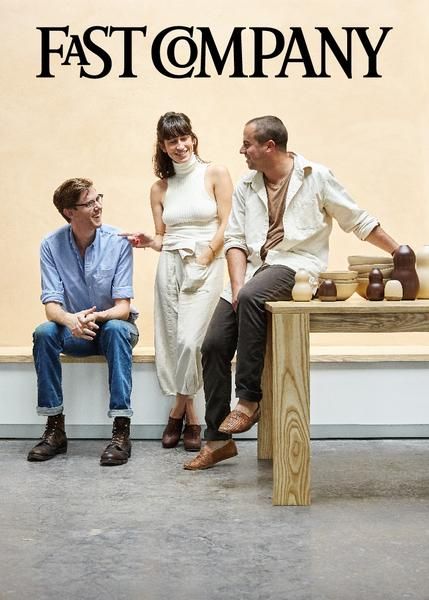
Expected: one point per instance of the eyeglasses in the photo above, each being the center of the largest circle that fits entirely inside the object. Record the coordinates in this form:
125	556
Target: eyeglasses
91	203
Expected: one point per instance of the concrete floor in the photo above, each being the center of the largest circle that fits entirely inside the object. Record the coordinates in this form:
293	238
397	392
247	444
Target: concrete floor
149	530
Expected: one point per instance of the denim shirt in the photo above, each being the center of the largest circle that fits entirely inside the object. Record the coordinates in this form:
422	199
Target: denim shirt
313	199
101	276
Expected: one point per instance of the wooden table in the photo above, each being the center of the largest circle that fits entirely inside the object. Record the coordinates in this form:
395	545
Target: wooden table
284	428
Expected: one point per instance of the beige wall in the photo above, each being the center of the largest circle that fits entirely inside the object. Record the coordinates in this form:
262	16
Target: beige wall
371	132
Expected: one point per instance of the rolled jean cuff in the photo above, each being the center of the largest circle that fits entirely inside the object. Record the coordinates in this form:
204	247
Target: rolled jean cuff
126	412
214	436
49	411
248	395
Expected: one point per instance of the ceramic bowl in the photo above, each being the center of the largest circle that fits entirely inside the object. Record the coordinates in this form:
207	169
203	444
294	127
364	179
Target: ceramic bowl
345	290
337	281
369	260
335	275
362	284
364	270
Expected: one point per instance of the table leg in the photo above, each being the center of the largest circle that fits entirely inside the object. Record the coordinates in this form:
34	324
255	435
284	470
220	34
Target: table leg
265	425
291	410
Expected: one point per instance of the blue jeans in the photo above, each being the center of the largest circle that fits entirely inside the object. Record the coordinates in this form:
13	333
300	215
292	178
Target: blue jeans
115	340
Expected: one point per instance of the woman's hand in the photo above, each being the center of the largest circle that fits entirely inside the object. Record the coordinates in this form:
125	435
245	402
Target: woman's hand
138	239
142	240
205	258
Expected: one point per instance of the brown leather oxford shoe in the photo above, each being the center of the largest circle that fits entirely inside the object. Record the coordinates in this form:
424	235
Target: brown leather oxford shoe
239	422
206	458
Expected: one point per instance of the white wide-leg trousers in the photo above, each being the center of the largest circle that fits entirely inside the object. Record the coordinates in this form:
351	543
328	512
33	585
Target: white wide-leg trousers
186	295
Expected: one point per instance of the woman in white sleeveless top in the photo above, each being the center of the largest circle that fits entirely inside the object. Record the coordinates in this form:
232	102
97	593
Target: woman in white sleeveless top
190	203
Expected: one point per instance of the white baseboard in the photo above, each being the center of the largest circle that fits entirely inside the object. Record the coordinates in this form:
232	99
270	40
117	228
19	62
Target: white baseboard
154	432
348	400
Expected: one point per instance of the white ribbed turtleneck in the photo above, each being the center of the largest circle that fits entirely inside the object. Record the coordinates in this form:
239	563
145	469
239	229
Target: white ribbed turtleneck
190	213
183	169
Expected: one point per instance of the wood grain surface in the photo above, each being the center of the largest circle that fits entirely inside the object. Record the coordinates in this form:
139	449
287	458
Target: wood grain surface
289	357
291	410
350	322
265	430
318	354
23	354
350	306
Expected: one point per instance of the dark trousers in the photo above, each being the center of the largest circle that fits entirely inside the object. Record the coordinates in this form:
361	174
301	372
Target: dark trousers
246	332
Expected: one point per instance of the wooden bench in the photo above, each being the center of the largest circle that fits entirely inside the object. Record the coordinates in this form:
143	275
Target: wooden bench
318	354
333	415
24	354
284	428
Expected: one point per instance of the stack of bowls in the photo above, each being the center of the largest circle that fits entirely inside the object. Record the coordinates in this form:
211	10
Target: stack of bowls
364	264
345	282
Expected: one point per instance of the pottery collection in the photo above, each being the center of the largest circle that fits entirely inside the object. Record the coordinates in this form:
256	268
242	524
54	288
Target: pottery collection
405	276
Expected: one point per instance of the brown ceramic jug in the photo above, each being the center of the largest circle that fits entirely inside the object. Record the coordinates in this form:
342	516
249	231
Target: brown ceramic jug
375	287
327	291
404	270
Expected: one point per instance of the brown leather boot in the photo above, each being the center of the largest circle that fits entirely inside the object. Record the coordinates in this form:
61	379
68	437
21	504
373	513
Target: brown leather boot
192	437
53	442
118	451
172	432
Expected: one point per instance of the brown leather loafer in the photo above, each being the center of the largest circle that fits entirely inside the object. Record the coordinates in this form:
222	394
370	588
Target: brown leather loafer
192	438
238	422
207	459
172	432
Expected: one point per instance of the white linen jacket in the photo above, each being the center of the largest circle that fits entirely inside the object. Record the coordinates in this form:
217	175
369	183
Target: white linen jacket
313	198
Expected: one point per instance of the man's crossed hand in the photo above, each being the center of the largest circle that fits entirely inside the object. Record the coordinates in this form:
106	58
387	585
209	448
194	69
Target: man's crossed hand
82	324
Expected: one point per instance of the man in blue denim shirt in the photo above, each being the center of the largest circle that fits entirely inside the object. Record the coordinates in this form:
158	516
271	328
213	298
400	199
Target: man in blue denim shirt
86	271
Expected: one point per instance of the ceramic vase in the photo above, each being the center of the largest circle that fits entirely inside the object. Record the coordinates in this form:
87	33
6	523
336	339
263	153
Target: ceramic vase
393	290
327	291
422	268
375	288
302	290
404	261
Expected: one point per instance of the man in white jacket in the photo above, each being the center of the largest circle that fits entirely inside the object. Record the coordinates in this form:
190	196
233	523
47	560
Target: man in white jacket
280	222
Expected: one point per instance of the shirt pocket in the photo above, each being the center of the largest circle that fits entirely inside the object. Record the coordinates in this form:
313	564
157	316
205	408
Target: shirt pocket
305	214
104	275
